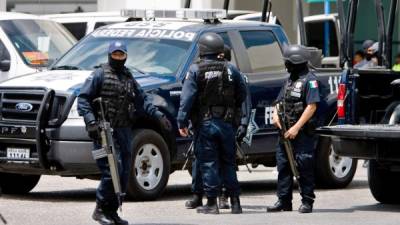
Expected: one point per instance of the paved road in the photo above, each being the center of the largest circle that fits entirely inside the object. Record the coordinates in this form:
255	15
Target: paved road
67	201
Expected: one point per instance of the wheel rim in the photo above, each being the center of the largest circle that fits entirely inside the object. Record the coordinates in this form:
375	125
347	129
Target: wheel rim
148	166
340	166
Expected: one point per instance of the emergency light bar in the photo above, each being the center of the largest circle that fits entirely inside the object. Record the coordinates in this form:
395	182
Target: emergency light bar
211	14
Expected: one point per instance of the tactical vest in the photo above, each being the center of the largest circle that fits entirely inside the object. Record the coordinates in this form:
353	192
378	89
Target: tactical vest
118	95
294	99
216	89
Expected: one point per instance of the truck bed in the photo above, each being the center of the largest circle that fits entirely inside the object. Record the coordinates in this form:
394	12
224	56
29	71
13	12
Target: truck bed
375	131
380	142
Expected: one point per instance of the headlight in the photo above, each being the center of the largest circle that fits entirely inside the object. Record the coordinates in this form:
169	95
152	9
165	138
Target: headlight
73	112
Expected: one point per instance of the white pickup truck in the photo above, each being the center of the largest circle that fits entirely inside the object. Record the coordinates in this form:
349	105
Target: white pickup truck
29	43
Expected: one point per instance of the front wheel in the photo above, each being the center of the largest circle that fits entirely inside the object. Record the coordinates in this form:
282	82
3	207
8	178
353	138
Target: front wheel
150	166
332	170
18	183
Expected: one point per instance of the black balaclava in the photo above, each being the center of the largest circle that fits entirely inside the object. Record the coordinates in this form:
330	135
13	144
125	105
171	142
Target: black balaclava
117	65
295	69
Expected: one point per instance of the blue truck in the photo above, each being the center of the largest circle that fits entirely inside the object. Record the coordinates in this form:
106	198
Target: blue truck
369	110
41	132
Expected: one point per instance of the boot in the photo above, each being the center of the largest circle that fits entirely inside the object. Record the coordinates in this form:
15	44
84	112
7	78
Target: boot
195	202
223	202
100	216
306	208
236	208
118	220
280	206
210	208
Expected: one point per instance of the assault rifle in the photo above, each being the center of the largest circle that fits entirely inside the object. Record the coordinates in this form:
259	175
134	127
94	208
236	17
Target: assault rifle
108	150
286	142
189	153
242	156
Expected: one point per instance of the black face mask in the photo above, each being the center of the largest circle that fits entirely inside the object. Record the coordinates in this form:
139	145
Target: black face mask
117	65
295	69
368	57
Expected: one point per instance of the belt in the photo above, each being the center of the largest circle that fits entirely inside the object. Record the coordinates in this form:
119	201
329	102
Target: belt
219	112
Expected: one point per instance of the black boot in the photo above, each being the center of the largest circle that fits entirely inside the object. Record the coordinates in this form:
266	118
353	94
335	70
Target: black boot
118	220
195	202
306	208
210	208
280	206
223	202
236	208
100	216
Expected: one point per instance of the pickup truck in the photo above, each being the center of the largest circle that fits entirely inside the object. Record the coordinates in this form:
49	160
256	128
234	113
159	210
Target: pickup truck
41	132
368	111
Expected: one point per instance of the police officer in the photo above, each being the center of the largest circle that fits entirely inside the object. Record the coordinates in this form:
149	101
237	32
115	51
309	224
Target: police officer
197	182
124	100
212	93
367	61
301	98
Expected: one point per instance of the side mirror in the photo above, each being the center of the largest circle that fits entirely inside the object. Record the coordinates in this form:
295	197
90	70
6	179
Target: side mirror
5	65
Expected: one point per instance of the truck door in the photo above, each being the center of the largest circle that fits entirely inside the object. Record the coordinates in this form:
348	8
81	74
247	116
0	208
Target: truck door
263	64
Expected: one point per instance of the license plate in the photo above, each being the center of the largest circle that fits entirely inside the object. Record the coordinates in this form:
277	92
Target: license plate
18	153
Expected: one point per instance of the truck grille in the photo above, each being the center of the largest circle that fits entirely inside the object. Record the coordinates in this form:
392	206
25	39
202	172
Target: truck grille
12	106
23	106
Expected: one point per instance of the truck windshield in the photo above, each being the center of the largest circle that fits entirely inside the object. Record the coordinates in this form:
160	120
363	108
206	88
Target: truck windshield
39	42
145	55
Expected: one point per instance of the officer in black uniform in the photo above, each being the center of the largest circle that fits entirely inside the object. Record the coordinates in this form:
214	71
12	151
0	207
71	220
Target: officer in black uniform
244	117
301	97
213	91
124	100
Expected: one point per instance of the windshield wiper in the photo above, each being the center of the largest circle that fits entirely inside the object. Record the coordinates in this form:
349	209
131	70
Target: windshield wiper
66	67
136	69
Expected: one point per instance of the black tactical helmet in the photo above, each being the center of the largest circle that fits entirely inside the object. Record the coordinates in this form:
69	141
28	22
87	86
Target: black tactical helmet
211	44
296	54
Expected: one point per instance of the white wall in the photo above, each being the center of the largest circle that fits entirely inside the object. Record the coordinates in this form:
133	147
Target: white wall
3	4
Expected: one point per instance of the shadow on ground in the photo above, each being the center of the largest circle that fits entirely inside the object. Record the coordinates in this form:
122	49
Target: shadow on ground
172	192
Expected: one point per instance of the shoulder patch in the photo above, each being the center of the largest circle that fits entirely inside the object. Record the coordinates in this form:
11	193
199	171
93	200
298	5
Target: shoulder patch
313	83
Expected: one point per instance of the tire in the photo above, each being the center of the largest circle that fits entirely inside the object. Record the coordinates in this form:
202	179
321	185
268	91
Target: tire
18	183
150	166
333	171
383	183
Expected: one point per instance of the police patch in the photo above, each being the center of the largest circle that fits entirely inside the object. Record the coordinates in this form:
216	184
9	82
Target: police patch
295	94
313	84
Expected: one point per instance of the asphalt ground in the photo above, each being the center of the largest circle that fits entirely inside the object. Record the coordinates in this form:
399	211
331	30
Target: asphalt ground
67	201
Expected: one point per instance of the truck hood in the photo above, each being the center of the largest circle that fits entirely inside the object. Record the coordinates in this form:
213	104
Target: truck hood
72	80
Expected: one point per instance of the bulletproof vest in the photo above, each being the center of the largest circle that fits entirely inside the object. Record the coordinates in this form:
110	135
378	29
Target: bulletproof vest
294	99
216	86
118	95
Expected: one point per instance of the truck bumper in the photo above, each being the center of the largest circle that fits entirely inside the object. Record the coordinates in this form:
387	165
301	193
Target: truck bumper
379	142
70	153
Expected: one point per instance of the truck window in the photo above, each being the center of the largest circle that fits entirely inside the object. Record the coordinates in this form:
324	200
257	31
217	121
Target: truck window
264	52
76	29
228	42
4	54
316	36
101	24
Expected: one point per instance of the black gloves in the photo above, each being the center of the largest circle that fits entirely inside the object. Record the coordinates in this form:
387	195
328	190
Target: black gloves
93	130
165	122
241	133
